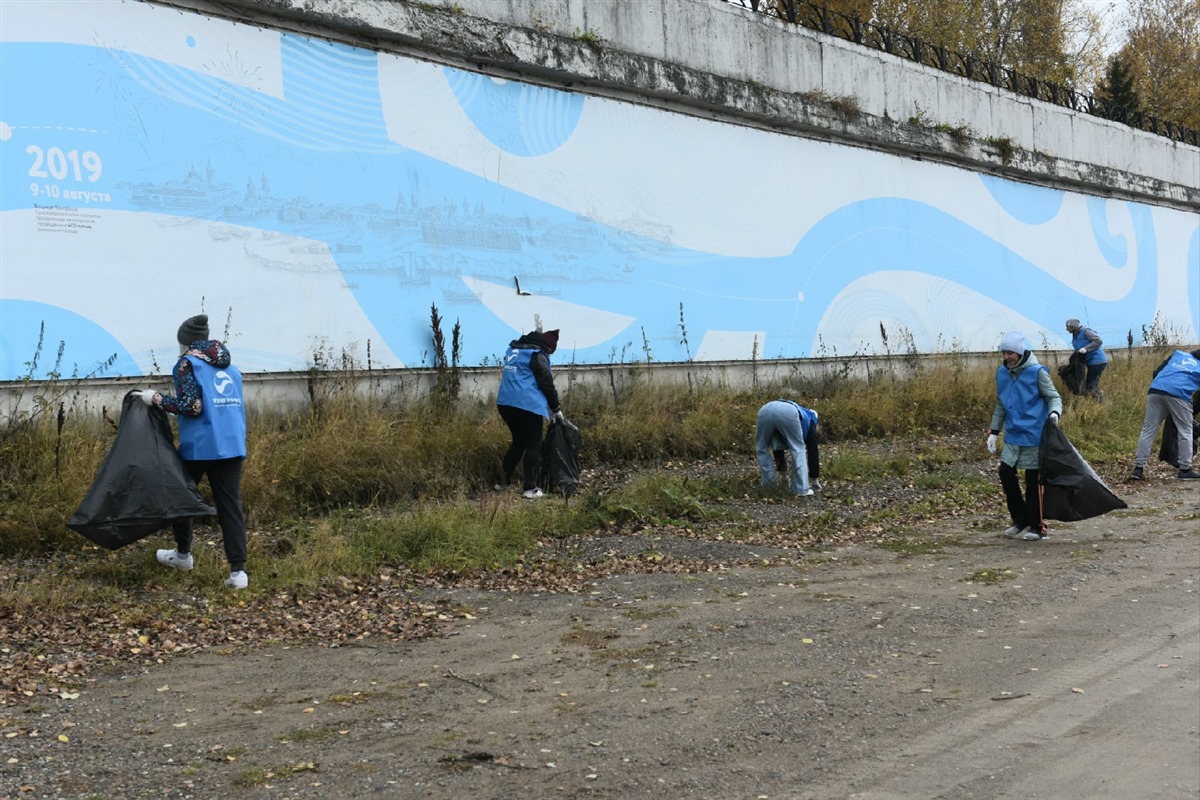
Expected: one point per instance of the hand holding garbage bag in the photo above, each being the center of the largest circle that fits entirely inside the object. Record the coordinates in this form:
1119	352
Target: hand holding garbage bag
142	486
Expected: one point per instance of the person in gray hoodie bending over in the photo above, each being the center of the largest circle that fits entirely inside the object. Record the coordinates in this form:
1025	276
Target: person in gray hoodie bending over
1025	401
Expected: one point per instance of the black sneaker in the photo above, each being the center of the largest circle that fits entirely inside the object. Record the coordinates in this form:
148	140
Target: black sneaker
1136	475
1189	475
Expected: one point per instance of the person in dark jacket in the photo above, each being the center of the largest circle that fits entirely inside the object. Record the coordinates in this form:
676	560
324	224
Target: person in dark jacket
1088	344
208	402
1025	401
1175	381
526	397
785	426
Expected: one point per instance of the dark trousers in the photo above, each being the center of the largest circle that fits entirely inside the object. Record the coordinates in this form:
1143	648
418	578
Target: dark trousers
1092	385
225	480
812	453
526	447
1026	511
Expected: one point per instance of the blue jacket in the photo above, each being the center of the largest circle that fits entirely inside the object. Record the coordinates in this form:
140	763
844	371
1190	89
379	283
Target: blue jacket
1081	338
1178	376
220	430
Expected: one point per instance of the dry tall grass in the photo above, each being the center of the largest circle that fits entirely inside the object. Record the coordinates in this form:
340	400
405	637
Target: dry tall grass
348	454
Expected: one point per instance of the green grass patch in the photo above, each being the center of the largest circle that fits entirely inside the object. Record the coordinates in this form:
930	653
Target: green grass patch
307	735
251	777
990	577
911	547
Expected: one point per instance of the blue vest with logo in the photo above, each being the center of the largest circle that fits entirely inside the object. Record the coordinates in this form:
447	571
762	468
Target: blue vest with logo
220	430
1080	339
518	386
1180	377
1025	409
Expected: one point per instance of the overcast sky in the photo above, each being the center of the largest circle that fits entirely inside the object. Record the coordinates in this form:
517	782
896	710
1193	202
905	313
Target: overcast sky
1112	12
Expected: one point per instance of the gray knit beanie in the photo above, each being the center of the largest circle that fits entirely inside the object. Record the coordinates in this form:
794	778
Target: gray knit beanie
193	329
1013	342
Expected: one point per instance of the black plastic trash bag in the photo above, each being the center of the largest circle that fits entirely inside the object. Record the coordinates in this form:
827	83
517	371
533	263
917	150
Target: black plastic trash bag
1071	489
560	458
142	486
1168	451
1074	374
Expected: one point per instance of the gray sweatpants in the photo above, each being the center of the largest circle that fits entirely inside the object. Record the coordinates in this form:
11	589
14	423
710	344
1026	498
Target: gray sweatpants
1158	406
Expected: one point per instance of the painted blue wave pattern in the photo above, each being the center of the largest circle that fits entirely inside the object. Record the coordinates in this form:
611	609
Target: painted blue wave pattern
331	95
1033	205
518	118
24	352
1193	277
1114	248
310	186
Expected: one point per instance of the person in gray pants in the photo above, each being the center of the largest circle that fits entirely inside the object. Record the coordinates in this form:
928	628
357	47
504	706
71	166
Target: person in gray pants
785	426
1175	381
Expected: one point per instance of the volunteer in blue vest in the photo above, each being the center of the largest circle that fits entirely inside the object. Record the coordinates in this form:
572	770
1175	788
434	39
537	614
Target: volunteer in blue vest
208	402
1175	381
527	397
1089	345
785	426
1025	401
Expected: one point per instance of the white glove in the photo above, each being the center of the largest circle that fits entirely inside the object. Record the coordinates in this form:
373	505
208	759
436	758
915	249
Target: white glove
558	416
1053	417
147	396
992	443
1082	351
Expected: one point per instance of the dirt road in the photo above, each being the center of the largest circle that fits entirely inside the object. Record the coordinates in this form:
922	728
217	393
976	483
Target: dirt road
988	668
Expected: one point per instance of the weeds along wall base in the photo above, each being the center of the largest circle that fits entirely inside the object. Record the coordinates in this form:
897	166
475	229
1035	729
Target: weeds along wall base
287	391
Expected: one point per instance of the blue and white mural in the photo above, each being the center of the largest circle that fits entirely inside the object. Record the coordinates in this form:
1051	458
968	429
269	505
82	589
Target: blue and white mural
314	196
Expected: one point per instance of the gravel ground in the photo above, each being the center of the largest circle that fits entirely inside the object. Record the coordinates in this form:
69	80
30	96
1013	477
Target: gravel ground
761	654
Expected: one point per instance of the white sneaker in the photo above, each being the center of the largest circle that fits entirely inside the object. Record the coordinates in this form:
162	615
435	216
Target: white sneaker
533	494
237	580
816	486
172	559
809	493
1032	536
1015	531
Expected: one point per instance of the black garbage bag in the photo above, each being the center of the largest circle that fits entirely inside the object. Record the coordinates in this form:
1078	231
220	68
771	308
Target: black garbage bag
1168	451
142	486
1071	489
560	458
1074	374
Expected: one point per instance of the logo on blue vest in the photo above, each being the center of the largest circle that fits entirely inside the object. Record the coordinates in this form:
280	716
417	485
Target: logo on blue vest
223	383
